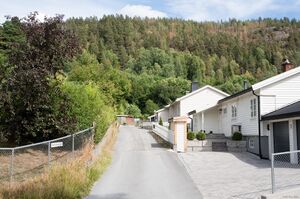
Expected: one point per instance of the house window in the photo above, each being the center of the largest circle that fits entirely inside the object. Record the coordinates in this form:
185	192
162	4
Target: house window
233	111
236	128
251	143
253	107
225	110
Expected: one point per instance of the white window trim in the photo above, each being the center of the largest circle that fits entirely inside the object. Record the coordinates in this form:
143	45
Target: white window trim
233	111
253	108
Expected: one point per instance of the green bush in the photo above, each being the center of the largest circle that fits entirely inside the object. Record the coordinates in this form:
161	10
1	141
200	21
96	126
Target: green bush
201	135
237	136
160	122
88	104
191	135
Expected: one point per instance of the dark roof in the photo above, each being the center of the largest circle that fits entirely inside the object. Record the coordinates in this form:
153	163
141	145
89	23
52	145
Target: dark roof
235	95
292	110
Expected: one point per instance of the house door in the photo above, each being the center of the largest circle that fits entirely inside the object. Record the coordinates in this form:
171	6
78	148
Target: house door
281	136
180	136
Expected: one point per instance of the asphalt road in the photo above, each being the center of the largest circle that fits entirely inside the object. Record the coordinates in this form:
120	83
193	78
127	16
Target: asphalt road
142	169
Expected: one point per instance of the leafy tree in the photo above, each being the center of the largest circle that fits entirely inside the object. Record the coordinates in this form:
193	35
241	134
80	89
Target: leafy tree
88	105
111	81
134	110
150	107
27	111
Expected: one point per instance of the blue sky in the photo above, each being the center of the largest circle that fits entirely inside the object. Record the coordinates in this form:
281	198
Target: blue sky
198	10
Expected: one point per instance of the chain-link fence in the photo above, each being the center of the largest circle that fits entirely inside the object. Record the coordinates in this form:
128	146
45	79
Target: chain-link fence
285	170
19	163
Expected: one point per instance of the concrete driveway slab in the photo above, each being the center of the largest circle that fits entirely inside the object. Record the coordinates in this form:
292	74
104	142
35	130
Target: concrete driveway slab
222	175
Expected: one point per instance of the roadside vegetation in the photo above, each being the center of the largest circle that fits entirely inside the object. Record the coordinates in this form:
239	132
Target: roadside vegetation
71	180
49	85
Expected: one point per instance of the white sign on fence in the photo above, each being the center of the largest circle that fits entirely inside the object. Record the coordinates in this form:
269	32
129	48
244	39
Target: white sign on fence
56	144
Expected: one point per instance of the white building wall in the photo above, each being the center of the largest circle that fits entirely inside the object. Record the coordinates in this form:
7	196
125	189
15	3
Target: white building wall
164	115
280	94
197	122
249	125
211	121
174	110
200	101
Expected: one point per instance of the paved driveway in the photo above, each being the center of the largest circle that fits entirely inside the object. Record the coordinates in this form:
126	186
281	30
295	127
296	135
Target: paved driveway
142	169
221	175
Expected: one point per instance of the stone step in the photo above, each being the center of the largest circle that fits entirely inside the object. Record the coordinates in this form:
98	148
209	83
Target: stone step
219	146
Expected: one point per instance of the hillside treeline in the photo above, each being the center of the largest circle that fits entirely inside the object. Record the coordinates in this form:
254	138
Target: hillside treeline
58	76
222	54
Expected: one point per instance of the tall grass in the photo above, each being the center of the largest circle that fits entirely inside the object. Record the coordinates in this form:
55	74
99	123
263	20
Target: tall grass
68	181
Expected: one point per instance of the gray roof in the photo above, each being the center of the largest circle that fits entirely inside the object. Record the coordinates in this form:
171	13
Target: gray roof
292	110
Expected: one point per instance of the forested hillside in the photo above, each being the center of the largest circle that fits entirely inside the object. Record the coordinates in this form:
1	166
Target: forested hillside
156	53
57	76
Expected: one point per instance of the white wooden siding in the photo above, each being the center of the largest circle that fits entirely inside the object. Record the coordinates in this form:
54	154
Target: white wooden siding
164	115
211	121
249	125
200	101
174	110
280	94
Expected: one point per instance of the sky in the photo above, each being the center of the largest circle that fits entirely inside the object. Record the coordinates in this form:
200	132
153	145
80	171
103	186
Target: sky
198	10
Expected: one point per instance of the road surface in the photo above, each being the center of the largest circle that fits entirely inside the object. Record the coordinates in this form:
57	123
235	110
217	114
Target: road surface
142	169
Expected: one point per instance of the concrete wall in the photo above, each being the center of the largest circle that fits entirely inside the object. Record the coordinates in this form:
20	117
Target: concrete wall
264	145
163	132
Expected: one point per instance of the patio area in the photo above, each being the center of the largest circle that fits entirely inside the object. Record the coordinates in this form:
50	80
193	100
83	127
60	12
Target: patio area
232	175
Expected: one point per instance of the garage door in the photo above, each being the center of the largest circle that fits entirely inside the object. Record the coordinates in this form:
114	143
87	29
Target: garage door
298	135
281	136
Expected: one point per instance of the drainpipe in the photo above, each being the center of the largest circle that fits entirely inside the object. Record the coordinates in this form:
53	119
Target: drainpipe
258	120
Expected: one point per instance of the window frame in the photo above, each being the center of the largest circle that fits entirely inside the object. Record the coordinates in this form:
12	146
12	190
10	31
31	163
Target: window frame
225	110
233	111
253	108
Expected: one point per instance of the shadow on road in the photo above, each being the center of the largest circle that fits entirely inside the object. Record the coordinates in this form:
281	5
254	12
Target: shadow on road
160	142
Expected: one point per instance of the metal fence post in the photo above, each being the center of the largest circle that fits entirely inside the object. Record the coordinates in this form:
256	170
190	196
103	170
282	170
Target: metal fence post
49	153
272	173
73	139
11	169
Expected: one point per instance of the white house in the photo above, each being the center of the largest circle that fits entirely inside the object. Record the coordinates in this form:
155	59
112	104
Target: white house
198	100
243	111
195	101
163	114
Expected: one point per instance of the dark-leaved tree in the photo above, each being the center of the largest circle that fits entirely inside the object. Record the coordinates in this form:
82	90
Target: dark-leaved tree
32	106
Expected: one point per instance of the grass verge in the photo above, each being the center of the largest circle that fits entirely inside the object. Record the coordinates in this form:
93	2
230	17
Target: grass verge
69	181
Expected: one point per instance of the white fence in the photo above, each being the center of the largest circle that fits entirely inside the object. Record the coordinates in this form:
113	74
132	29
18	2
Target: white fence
163	132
